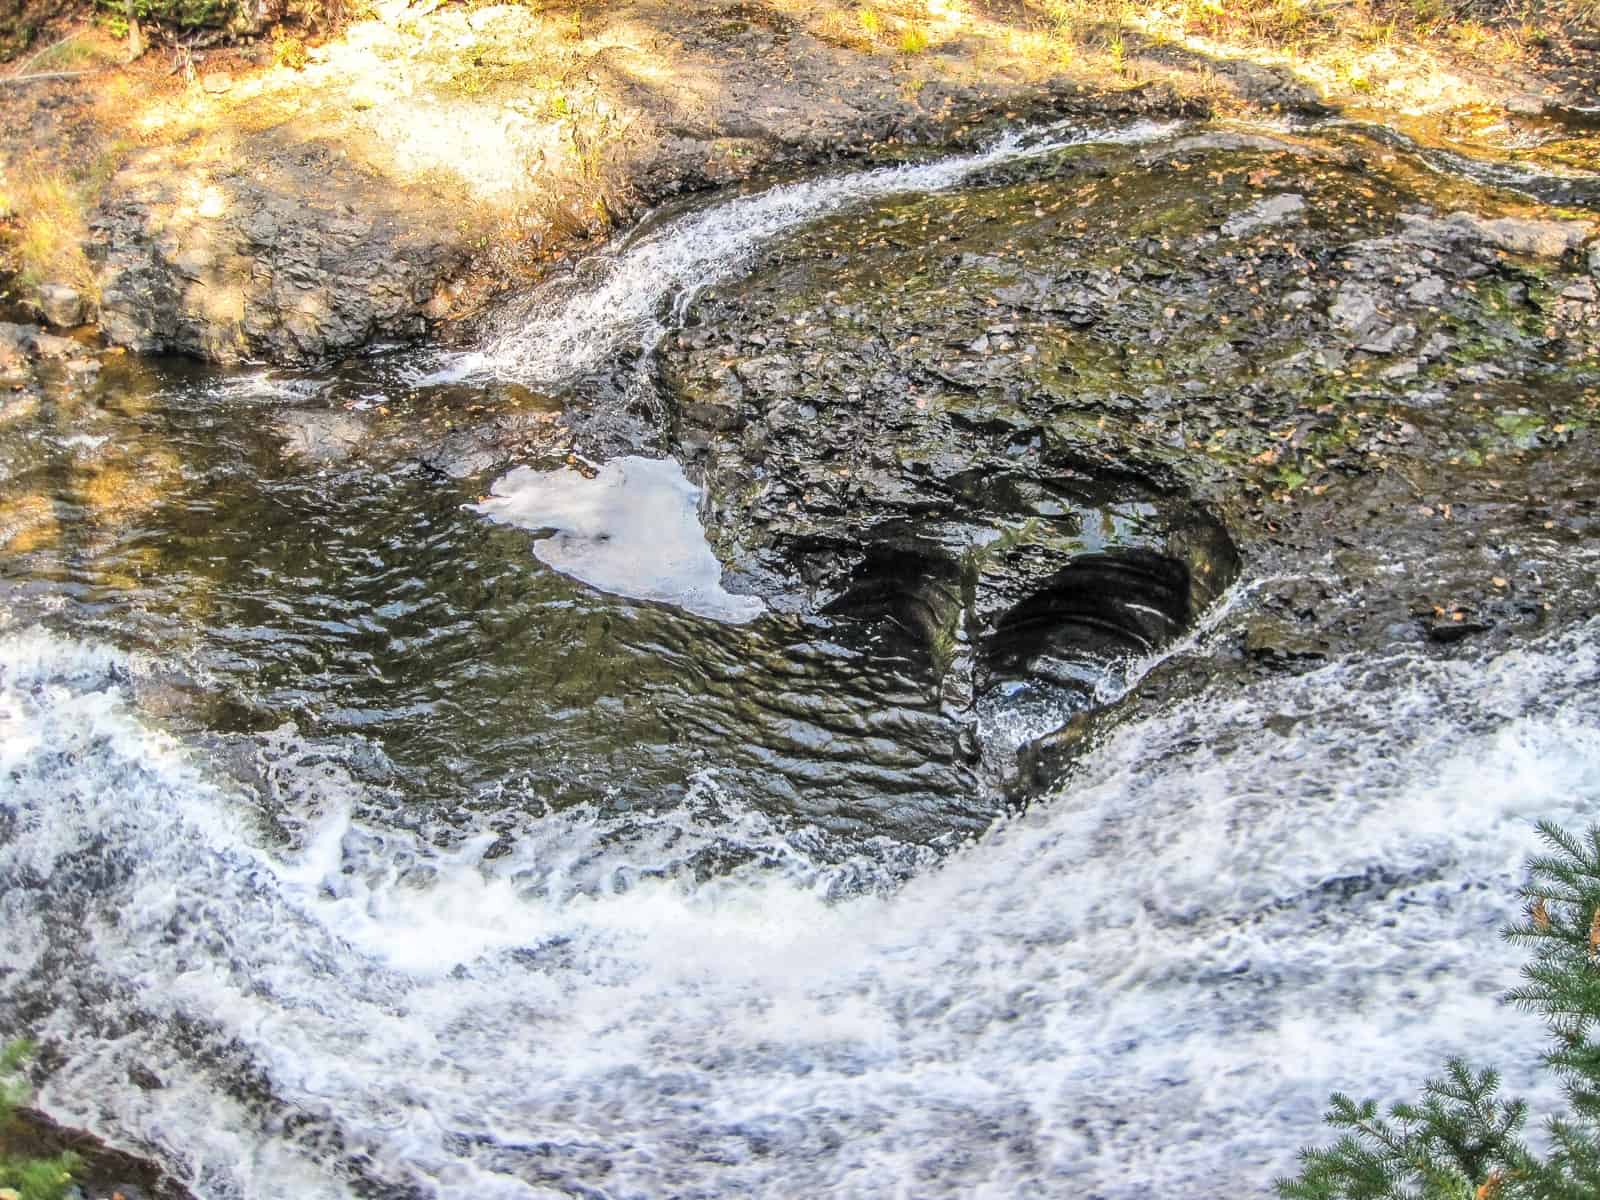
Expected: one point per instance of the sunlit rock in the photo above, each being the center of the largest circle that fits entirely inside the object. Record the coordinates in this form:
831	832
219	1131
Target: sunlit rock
61	305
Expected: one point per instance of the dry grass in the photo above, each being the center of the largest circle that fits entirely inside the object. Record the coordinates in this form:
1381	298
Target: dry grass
47	215
856	29
901	25
1429	53
506	108
1316	28
1299	24
913	40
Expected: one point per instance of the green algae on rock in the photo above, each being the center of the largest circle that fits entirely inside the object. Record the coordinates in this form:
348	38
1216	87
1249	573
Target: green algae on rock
956	412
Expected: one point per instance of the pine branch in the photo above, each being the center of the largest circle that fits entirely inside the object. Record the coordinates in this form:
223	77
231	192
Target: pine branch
28	1178
1460	1140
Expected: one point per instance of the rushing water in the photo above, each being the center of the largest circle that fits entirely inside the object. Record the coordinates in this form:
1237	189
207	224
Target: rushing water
1149	987
346	849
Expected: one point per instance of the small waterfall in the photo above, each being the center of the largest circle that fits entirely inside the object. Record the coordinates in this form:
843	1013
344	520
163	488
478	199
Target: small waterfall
629	297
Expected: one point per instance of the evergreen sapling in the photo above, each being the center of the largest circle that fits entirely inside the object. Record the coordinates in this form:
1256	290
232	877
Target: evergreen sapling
1460	1141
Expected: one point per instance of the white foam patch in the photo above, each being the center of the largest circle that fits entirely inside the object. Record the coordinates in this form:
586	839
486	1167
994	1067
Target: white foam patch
265	385
632	530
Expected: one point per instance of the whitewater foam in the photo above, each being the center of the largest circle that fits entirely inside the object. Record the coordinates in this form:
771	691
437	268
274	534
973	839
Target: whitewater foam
1148	989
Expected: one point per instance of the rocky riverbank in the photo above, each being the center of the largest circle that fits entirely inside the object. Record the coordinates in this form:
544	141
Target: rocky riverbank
1028	425
289	203
104	1172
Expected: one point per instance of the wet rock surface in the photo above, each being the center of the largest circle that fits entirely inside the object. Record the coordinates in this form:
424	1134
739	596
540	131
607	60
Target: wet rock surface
1036	426
301	261
29	343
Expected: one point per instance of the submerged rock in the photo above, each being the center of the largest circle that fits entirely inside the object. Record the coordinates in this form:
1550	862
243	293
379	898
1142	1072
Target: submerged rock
320	437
